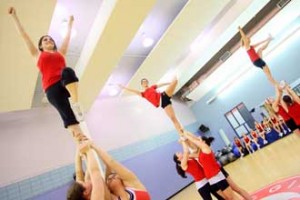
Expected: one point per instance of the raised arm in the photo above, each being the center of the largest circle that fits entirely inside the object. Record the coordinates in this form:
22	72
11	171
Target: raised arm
244	38
275	104
78	167
197	141
64	47
130	90
128	177
184	160
291	92
98	190
32	49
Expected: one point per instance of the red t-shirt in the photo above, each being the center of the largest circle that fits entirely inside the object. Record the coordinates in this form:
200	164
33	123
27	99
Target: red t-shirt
252	54
294	112
51	66
274	120
209	164
152	95
195	169
237	143
138	194
260	128
285	116
246	139
253	133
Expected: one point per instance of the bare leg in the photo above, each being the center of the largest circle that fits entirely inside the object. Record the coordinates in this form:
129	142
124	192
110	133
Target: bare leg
171	114
241	152
248	148
237	189
228	194
73	90
267	72
171	88
263	47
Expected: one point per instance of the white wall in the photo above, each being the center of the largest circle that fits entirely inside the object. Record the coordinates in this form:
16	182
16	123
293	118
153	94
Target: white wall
131	119
32	142
35	141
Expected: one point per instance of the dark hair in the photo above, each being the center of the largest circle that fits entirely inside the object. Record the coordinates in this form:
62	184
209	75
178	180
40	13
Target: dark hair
144	79
287	99
179	170
208	140
75	192
41	40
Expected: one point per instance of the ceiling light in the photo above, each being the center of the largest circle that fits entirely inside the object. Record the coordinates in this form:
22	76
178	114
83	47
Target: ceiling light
113	92
148	42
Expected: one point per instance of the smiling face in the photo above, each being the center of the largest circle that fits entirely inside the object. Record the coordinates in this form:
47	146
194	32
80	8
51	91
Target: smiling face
46	43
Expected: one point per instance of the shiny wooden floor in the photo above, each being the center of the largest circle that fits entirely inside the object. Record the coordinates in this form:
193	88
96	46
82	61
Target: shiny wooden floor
278	160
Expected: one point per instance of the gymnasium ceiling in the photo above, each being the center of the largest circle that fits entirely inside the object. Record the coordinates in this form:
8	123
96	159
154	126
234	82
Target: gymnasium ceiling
107	47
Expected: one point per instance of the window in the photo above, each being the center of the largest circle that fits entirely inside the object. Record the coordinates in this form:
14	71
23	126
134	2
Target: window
240	119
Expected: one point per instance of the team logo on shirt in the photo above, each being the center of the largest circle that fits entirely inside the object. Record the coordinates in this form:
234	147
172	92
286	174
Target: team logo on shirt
287	189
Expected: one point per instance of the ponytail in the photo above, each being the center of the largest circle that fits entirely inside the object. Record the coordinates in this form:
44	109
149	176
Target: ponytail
208	140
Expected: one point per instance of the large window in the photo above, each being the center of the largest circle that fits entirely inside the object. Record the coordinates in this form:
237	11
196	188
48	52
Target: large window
240	119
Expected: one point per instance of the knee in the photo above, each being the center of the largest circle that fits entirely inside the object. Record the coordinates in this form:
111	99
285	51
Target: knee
67	71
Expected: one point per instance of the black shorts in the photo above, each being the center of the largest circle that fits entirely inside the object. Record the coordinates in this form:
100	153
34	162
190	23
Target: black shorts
165	100
259	63
221	185
58	96
291	124
224	172
205	192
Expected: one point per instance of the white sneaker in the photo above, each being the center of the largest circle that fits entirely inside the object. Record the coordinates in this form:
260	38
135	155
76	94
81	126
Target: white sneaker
78	112
265	142
280	134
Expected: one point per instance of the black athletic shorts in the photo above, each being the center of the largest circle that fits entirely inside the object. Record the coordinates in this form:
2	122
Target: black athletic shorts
221	185
165	100
58	96
260	63
291	124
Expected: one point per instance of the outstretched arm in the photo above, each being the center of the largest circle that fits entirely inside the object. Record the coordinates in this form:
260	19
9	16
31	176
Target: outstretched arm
129	178
64	47
130	90
32	49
